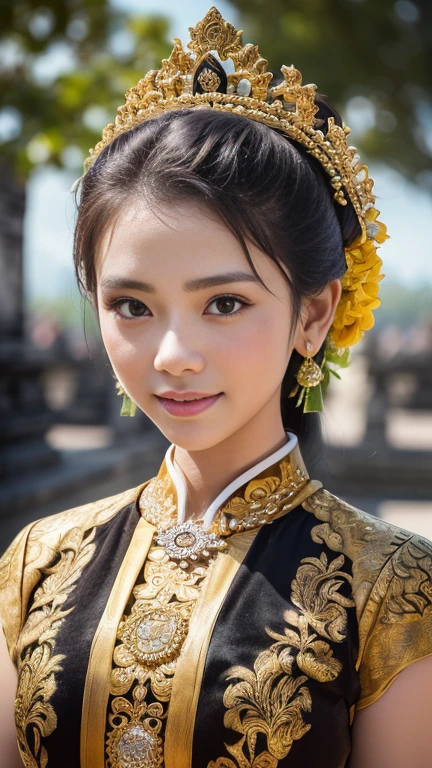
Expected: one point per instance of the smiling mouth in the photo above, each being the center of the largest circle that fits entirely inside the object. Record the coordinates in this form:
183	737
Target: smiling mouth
190	406
188	399
185	397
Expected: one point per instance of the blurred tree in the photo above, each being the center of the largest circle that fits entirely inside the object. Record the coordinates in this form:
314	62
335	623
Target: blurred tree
372	59
403	305
64	69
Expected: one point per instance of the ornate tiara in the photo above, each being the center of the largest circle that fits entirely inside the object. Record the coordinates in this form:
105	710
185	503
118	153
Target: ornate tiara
196	78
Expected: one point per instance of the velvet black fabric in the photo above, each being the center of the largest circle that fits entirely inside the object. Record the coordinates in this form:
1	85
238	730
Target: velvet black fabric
257	599
75	637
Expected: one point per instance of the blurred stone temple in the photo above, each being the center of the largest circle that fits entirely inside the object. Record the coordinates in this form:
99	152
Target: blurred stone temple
62	439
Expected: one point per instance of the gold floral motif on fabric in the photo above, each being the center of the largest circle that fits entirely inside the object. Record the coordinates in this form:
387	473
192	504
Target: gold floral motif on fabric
271	699
157	502
392	588
149	641
263	501
411	587
36	661
368	541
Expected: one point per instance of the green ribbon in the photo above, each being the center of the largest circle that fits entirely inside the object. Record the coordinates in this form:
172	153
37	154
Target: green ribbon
128	407
312	397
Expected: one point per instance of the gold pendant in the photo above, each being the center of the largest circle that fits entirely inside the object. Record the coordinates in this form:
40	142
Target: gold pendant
310	373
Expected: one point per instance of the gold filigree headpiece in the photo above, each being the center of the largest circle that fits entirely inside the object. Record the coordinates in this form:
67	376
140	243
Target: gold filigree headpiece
196	78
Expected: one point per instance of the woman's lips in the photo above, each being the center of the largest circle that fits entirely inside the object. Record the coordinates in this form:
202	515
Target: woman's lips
188	408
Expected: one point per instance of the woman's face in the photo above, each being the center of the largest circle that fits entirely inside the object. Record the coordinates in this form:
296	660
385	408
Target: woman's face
180	310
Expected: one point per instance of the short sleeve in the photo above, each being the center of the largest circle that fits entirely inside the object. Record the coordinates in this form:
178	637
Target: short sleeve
395	629
12	566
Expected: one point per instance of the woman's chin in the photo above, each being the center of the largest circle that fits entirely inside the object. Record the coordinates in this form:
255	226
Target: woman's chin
193	435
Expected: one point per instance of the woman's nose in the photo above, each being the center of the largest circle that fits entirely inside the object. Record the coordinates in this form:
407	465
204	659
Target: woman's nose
175	355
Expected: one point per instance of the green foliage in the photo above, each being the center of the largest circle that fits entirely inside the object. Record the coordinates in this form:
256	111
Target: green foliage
380	51
58	111
71	312
333	360
403	306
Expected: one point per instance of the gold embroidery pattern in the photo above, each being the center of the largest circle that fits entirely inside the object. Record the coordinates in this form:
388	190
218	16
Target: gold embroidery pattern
37	663
6	561
157	503
152	631
264	499
149	642
397	625
32	550
368	541
270	699
392	588
411	584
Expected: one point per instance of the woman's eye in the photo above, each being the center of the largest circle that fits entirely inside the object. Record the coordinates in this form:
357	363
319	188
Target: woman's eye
225	305
129	308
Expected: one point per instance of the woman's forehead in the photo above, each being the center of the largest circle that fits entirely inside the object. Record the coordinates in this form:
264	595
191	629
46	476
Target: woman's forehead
176	238
177	244
165	228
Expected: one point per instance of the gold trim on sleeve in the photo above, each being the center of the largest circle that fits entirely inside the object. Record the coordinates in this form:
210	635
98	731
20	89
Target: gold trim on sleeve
96	691
12	607
37	661
399	615
392	588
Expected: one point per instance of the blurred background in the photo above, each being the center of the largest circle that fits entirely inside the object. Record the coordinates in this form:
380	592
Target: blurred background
64	69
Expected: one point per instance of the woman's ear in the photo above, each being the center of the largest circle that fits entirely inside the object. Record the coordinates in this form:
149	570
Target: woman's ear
316	318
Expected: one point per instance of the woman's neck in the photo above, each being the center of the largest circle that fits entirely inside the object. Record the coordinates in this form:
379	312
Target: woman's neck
209	471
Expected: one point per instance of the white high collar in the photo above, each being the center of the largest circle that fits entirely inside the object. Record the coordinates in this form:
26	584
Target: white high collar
181	488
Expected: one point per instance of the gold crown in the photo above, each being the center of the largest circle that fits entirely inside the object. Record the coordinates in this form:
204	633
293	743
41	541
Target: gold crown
195	78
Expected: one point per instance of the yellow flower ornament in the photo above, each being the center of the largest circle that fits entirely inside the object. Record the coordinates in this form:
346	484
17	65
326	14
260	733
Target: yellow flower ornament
359	297
359	285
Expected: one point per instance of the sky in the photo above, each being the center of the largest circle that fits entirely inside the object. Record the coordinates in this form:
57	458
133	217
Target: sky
48	235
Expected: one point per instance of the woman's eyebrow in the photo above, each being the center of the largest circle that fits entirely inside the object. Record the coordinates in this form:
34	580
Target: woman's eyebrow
227	277
197	284
124	282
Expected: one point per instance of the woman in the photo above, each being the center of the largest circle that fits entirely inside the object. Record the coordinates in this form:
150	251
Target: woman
229	612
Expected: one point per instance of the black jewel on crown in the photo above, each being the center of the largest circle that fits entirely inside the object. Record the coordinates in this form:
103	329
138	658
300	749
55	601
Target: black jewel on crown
209	76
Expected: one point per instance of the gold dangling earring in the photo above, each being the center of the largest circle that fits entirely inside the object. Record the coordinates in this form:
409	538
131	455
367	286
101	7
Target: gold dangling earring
128	406
309	378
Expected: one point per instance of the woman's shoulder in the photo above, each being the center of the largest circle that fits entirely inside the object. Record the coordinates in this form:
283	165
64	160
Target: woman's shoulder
88	515
391	583
367	540
48	532
375	547
38	544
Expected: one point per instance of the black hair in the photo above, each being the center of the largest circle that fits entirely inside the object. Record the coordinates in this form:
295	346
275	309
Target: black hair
264	186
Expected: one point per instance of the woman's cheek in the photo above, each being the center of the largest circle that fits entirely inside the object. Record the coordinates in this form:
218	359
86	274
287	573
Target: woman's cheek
122	344
259	343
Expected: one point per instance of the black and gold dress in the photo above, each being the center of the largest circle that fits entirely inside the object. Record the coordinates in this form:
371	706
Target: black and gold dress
143	641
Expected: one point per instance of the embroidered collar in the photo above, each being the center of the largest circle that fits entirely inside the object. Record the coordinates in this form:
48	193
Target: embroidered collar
266	491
